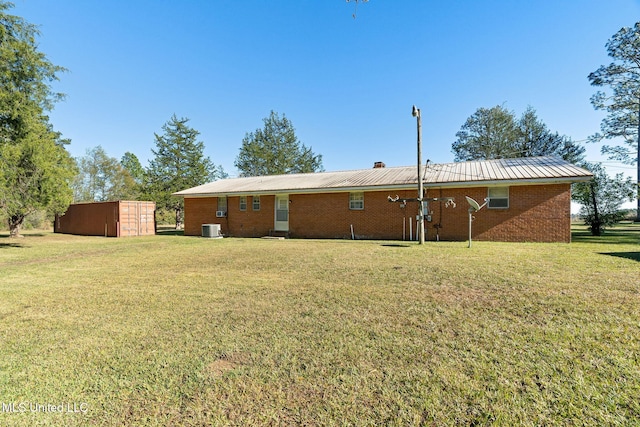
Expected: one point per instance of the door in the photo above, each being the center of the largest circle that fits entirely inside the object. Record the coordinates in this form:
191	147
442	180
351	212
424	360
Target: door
282	212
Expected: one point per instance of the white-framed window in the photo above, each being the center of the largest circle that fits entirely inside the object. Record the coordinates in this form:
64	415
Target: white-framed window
243	203
222	204
498	197
356	201
256	203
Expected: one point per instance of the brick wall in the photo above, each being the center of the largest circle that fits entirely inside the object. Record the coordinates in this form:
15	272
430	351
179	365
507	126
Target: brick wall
198	211
328	216
248	223
538	213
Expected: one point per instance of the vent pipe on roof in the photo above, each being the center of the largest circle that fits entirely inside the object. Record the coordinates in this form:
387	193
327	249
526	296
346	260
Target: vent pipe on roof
378	165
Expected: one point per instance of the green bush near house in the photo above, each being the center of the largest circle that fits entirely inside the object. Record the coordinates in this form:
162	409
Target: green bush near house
174	330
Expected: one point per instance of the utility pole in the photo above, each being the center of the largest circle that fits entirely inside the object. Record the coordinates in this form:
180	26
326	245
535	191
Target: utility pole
416	113
638	165
448	201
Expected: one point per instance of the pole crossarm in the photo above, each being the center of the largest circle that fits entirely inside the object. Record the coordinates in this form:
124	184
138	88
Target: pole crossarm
405	200
449	201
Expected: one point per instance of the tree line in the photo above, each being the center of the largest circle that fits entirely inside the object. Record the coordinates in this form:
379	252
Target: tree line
37	173
495	133
179	162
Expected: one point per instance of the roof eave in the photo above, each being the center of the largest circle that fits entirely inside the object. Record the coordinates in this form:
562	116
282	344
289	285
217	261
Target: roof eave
512	182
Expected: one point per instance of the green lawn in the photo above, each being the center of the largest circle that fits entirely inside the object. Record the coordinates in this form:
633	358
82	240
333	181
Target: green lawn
174	330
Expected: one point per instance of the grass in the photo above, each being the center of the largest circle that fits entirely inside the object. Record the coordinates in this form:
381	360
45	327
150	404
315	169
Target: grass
174	330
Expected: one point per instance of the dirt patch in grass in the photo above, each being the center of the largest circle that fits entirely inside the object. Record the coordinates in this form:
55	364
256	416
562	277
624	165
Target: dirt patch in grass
219	367
225	363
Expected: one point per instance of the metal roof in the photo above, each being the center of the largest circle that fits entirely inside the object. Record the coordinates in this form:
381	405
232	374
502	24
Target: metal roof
460	174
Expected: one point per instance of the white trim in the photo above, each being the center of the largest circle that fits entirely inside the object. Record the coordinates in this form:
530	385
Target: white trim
224	207
489	198
280	225
351	201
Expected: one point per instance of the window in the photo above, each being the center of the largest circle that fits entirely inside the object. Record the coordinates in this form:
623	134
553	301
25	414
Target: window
256	203
356	201
498	197
243	203
222	204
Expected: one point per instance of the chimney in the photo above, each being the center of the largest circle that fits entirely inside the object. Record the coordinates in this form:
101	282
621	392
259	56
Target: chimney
378	165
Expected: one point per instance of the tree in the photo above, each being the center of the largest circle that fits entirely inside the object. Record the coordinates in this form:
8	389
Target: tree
535	139
35	168
488	134
494	133
601	198
102	178
131	164
35	175
275	150
179	163
135	172
622	105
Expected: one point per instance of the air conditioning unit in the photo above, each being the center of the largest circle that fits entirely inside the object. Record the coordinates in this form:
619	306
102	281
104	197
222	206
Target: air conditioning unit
211	230
221	214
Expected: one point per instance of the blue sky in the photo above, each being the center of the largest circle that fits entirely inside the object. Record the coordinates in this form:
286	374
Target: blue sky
346	84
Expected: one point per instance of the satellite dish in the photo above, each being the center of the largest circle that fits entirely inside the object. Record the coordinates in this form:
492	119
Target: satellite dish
473	203
475	207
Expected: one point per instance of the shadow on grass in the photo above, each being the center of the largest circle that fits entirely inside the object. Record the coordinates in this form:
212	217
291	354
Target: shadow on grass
635	256
4	245
25	234
169	232
395	245
9	242
620	234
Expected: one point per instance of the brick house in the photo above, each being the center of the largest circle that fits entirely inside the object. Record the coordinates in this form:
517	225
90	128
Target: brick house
528	200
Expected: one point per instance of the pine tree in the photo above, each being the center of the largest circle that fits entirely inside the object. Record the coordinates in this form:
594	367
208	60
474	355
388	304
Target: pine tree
275	150
179	163
494	133
623	103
